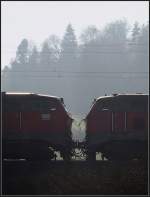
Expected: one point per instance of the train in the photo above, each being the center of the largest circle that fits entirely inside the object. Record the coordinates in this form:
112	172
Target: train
35	126
117	127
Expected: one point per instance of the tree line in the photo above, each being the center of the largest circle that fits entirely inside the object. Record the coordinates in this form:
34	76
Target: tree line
101	61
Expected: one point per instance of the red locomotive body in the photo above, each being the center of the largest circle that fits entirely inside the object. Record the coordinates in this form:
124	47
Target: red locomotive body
117	126
31	123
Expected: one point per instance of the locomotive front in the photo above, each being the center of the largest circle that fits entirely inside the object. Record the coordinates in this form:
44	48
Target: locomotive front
117	126
34	126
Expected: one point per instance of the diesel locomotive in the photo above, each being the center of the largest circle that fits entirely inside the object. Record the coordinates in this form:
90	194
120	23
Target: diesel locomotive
34	126
117	127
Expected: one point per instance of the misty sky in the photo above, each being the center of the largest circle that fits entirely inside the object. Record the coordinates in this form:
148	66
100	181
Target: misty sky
37	20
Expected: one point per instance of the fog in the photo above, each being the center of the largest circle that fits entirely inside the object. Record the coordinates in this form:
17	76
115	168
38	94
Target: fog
109	55
103	62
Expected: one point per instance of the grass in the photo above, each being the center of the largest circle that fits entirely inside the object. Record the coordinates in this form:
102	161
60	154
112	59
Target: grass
108	178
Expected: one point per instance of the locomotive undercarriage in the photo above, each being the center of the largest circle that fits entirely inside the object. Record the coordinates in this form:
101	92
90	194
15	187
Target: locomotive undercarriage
117	147
30	148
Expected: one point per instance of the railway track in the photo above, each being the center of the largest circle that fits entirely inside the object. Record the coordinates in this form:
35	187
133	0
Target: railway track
75	177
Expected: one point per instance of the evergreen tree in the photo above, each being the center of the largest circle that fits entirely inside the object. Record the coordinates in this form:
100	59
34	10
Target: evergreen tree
69	46
5	79
54	46
45	60
19	67
22	52
34	58
142	49
68	61
144	35
116	32
135	32
90	34
89	48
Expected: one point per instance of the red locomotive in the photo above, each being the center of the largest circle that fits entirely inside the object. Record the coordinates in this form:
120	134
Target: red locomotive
32	123
117	126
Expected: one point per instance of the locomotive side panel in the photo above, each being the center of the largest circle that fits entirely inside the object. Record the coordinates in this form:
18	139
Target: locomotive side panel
137	121
119	121
37	121
98	120
12	121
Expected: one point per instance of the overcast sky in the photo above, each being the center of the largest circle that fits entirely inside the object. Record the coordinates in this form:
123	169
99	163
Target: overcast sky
36	20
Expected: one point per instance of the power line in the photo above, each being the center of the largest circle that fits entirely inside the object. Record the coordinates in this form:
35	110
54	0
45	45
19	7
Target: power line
76	76
91	52
78	72
101	45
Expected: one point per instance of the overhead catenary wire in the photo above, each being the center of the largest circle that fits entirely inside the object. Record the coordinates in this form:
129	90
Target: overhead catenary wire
78	76
75	74
95	52
60	72
89	44
79	72
79	47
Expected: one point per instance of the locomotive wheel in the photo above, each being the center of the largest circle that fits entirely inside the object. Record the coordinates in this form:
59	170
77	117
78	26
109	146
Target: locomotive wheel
66	156
124	151
91	156
39	157
43	154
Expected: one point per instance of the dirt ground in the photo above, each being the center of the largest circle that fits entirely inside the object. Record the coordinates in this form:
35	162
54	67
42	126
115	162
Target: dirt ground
74	178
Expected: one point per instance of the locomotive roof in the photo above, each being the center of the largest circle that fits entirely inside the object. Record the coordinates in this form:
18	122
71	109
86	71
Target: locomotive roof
118	96
121	102
29	94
